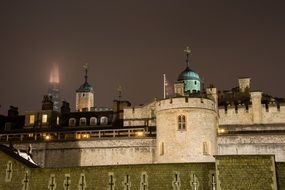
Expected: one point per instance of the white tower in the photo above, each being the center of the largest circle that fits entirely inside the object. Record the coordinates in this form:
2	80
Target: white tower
85	95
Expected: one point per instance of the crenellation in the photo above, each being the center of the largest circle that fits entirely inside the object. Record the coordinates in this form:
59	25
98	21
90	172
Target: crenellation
180	102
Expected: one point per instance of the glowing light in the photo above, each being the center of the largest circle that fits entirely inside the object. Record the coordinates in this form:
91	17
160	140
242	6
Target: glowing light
221	130
54	74
47	137
140	133
85	136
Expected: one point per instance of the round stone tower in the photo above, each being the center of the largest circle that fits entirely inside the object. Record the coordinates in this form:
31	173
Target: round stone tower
186	130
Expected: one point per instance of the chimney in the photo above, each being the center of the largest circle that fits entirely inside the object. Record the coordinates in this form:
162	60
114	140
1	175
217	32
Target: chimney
65	108
13	112
244	84
47	103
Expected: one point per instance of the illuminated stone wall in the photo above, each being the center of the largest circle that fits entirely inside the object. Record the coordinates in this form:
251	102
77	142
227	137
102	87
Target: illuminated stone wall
243	116
92	152
253	144
140	116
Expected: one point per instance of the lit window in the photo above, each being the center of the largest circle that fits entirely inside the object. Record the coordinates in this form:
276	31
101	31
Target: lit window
72	122
44	118
57	120
93	121
181	122
32	119
82	121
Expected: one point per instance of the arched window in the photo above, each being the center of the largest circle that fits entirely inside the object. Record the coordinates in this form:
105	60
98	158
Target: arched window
82	121
93	121
72	122
181	122
104	120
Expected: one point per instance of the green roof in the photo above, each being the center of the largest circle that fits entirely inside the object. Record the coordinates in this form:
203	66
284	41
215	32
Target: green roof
86	87
188	74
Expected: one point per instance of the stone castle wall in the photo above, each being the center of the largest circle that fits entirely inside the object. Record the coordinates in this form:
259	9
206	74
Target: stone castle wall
140	116
92	152
184	176
252	144
246	172
242	116
229	172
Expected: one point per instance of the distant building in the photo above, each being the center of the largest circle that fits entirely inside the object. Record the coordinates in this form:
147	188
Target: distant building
54	88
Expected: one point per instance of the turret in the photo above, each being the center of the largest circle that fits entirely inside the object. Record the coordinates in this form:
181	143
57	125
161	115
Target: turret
189	81
85	94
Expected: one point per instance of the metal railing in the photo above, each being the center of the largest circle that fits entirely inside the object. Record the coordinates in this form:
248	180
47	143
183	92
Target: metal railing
76	135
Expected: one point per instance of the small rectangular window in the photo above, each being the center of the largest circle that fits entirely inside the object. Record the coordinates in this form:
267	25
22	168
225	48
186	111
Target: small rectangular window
32	119
44	118
181	122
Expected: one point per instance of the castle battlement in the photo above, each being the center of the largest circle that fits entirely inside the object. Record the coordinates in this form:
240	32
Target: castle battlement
185	102
242	114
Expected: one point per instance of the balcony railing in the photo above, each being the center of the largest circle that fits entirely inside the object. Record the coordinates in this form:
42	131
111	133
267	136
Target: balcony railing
76	135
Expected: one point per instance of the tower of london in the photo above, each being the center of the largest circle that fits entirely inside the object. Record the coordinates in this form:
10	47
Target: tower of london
195	125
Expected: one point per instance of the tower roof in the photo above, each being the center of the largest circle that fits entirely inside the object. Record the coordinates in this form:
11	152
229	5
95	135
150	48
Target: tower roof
85	87
188	74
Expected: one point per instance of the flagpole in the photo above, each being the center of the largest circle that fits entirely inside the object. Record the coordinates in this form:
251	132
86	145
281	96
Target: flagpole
164	80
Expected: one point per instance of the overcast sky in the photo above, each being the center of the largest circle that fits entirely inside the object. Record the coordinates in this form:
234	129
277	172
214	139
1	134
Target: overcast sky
132	43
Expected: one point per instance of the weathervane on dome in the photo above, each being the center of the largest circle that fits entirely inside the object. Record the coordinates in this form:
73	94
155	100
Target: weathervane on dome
85	66
188	52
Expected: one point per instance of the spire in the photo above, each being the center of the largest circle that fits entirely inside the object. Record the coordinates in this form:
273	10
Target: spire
85	66
54	74
188	52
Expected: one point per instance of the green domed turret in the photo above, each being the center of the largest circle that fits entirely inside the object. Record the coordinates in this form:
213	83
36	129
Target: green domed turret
191	79
85	87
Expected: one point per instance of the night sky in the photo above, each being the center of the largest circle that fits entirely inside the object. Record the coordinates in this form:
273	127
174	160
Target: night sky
132	43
